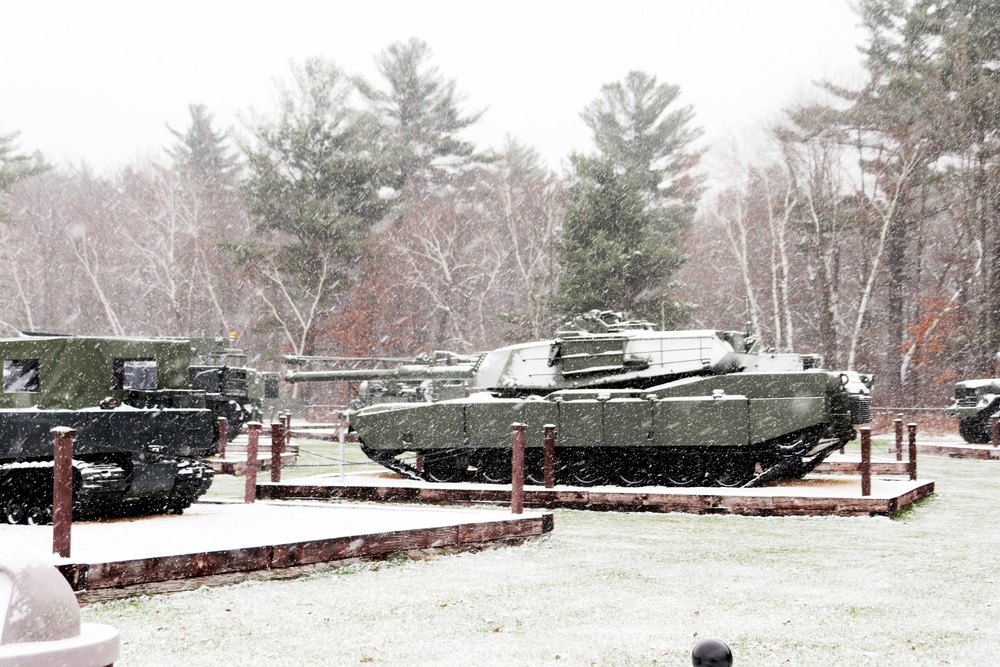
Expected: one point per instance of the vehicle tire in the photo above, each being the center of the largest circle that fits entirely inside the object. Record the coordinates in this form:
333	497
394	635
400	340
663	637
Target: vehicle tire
975	430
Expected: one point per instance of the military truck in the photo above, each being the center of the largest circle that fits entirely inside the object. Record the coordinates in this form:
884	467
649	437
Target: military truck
632	406
976	401
142	430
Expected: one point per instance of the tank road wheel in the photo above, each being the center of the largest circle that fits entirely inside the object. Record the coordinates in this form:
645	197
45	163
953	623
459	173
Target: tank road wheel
635	467
534	466
38	515
13	511
446	465
975	431
685	468
584	466
731	469
493	468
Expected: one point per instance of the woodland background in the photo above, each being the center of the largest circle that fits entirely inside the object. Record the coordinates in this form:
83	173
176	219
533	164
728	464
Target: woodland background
352	218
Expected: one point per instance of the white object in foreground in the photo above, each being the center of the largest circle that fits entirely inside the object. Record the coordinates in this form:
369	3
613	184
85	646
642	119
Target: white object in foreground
40	619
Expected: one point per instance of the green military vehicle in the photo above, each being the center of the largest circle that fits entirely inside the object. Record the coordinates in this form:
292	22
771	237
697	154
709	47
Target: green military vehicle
976	401
632	406
232	389
142	430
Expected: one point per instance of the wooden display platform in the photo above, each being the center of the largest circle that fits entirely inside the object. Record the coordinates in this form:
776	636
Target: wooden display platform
958	449
816	495
225	542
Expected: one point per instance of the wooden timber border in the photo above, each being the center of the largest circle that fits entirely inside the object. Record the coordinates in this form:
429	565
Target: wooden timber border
95	581
750	502
961	451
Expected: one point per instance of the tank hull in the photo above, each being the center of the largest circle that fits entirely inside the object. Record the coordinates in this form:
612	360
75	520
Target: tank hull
724	430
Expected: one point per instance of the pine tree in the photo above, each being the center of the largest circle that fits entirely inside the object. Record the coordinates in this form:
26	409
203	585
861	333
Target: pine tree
421	108
316	176
203	150
630	202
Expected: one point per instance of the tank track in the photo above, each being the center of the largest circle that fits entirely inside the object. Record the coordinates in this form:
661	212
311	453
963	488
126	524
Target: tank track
99	490
194	476
794	458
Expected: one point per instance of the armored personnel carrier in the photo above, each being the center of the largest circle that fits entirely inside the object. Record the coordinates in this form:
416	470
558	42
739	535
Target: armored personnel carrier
142	431
632	406
976	401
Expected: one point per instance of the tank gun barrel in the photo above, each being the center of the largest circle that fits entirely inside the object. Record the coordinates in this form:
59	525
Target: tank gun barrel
404	373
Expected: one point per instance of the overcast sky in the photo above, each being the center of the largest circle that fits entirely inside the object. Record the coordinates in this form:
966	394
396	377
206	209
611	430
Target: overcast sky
97	81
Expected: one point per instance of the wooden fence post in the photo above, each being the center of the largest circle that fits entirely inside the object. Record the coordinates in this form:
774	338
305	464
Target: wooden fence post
995	429
898	423
62	490
223	435
866	461
549	460
253	435
517	468
913	450
277	447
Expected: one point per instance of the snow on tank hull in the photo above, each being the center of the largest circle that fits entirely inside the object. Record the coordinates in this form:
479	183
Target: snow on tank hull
736	429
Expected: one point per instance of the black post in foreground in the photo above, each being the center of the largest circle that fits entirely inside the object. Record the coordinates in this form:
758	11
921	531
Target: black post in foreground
62	490
517	469
912	428
711	653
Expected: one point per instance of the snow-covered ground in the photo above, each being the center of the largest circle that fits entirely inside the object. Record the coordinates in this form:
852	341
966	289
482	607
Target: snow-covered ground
626	589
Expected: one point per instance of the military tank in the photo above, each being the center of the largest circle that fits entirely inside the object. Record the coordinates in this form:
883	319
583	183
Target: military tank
142	431
976	401
632	406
